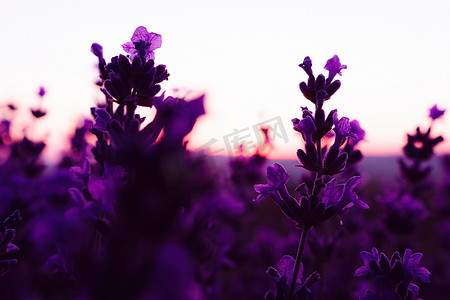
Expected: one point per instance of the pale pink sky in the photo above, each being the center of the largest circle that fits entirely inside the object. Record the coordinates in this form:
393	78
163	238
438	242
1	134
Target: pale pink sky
244	55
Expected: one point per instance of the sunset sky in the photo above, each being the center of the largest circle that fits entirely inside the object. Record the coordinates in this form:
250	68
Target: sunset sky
244	56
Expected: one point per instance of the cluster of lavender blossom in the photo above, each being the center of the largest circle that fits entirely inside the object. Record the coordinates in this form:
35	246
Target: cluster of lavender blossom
131	213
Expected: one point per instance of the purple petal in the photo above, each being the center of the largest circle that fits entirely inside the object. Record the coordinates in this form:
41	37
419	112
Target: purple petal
367	257
350	195
150	55
155	41
375	253
97	50
422	273
260	197
140	33
128	47
41	91
102	119
263	188
357	130
406	257
415	259
332	193
11	248
334	65
306	127
414	289
342	127
361	271
277	175
436	113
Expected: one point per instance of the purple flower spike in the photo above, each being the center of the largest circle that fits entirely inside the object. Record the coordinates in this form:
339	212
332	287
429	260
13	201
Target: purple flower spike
143	43
334	67
436	113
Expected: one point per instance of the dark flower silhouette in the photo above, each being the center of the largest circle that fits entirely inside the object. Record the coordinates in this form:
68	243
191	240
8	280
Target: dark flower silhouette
420	146
393	277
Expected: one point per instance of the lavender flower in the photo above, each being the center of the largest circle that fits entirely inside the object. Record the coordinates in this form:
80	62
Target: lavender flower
356	129
334	67
322	198
102	118
306	127
41	91
436	113
306	65
143	43
277	177
343	129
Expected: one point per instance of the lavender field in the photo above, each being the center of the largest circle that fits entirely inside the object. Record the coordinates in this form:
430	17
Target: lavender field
132	212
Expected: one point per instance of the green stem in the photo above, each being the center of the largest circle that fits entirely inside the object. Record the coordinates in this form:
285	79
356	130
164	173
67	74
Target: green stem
298	260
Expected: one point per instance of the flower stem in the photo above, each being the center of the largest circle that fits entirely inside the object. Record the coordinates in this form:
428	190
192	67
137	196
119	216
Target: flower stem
298	260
